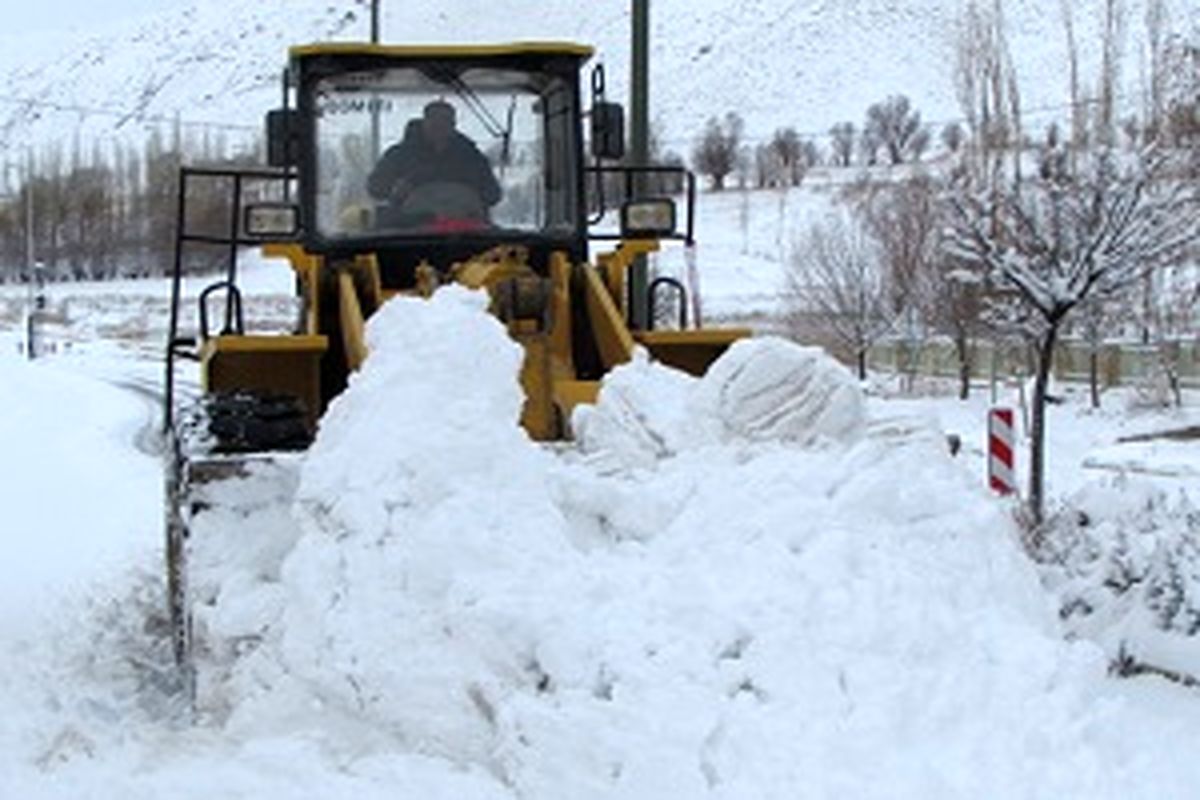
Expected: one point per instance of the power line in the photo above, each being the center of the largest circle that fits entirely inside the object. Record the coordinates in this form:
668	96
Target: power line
124	115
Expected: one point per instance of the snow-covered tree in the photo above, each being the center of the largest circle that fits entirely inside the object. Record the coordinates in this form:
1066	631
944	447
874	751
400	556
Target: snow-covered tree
1051	242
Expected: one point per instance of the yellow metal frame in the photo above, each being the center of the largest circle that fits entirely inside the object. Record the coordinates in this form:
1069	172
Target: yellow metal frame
307	267
432	51
353	321
283	364
250	343
615	266
613	338
548	374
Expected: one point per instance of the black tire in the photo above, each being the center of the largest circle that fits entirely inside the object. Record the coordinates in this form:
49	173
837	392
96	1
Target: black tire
252	422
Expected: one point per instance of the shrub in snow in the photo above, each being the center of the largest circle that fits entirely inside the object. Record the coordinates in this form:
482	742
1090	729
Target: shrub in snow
1124	558
1156	388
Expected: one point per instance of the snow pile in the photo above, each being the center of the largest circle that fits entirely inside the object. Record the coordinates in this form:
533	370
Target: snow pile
725	591
411	489
1125	559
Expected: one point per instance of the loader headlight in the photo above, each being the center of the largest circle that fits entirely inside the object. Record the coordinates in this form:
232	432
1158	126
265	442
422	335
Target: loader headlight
650	218
271	221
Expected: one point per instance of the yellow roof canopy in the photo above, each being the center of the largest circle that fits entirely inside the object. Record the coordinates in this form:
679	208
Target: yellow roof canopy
442	50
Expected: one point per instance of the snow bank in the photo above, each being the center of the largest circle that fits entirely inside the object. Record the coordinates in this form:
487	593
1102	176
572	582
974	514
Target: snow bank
79	505
68	459
735	587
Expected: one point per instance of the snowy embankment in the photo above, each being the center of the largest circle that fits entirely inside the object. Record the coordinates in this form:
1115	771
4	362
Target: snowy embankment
743	586
80	507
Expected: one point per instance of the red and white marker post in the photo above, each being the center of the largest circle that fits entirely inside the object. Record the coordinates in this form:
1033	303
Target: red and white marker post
1002	476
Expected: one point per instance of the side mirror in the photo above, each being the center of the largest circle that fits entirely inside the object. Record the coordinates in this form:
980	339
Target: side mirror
608	131
284	128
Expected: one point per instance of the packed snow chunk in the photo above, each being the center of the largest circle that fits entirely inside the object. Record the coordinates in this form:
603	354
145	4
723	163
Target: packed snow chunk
760	390
641	415
769	389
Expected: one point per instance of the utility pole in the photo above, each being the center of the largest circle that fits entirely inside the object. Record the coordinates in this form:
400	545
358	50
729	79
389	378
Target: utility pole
29	255
639	148
33	272
376	134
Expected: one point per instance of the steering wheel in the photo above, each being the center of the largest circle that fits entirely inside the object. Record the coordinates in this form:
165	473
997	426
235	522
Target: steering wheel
443	199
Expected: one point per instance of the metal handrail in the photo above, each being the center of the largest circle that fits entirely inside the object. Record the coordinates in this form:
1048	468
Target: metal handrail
232	240
234	304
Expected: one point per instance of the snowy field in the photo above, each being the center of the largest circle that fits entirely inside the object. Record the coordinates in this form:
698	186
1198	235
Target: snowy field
768	583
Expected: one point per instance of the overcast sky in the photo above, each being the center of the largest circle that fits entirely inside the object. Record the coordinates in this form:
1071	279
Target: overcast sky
52	15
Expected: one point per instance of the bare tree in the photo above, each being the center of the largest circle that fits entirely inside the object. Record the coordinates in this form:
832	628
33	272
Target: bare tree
789	152
768	170
842	137
743	166
716	152
810	152
1060	241
868	147
985	81
1110	71
952	136
1052	155
893	124
956	309
837	286
1182	95
919	143
1156	21
1079	133
903	219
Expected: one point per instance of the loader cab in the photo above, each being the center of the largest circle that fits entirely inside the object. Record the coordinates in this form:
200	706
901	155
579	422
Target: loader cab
518	106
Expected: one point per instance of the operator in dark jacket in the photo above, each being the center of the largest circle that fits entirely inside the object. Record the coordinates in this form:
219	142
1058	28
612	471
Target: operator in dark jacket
432	151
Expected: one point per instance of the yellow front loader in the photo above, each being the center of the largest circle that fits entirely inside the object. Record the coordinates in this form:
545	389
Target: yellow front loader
559	283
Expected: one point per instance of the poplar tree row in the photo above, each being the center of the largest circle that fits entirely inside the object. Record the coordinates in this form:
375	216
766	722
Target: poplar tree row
106	210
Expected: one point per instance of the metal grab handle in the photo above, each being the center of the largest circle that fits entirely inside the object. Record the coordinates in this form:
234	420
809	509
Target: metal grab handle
235	303
653	292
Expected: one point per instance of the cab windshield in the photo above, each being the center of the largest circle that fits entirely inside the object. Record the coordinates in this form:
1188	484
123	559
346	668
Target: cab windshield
431	150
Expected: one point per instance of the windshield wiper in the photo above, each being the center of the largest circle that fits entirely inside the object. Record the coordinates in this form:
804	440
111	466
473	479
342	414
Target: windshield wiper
472	101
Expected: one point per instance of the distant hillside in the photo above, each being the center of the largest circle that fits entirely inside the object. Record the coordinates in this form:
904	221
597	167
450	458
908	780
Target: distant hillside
806	63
